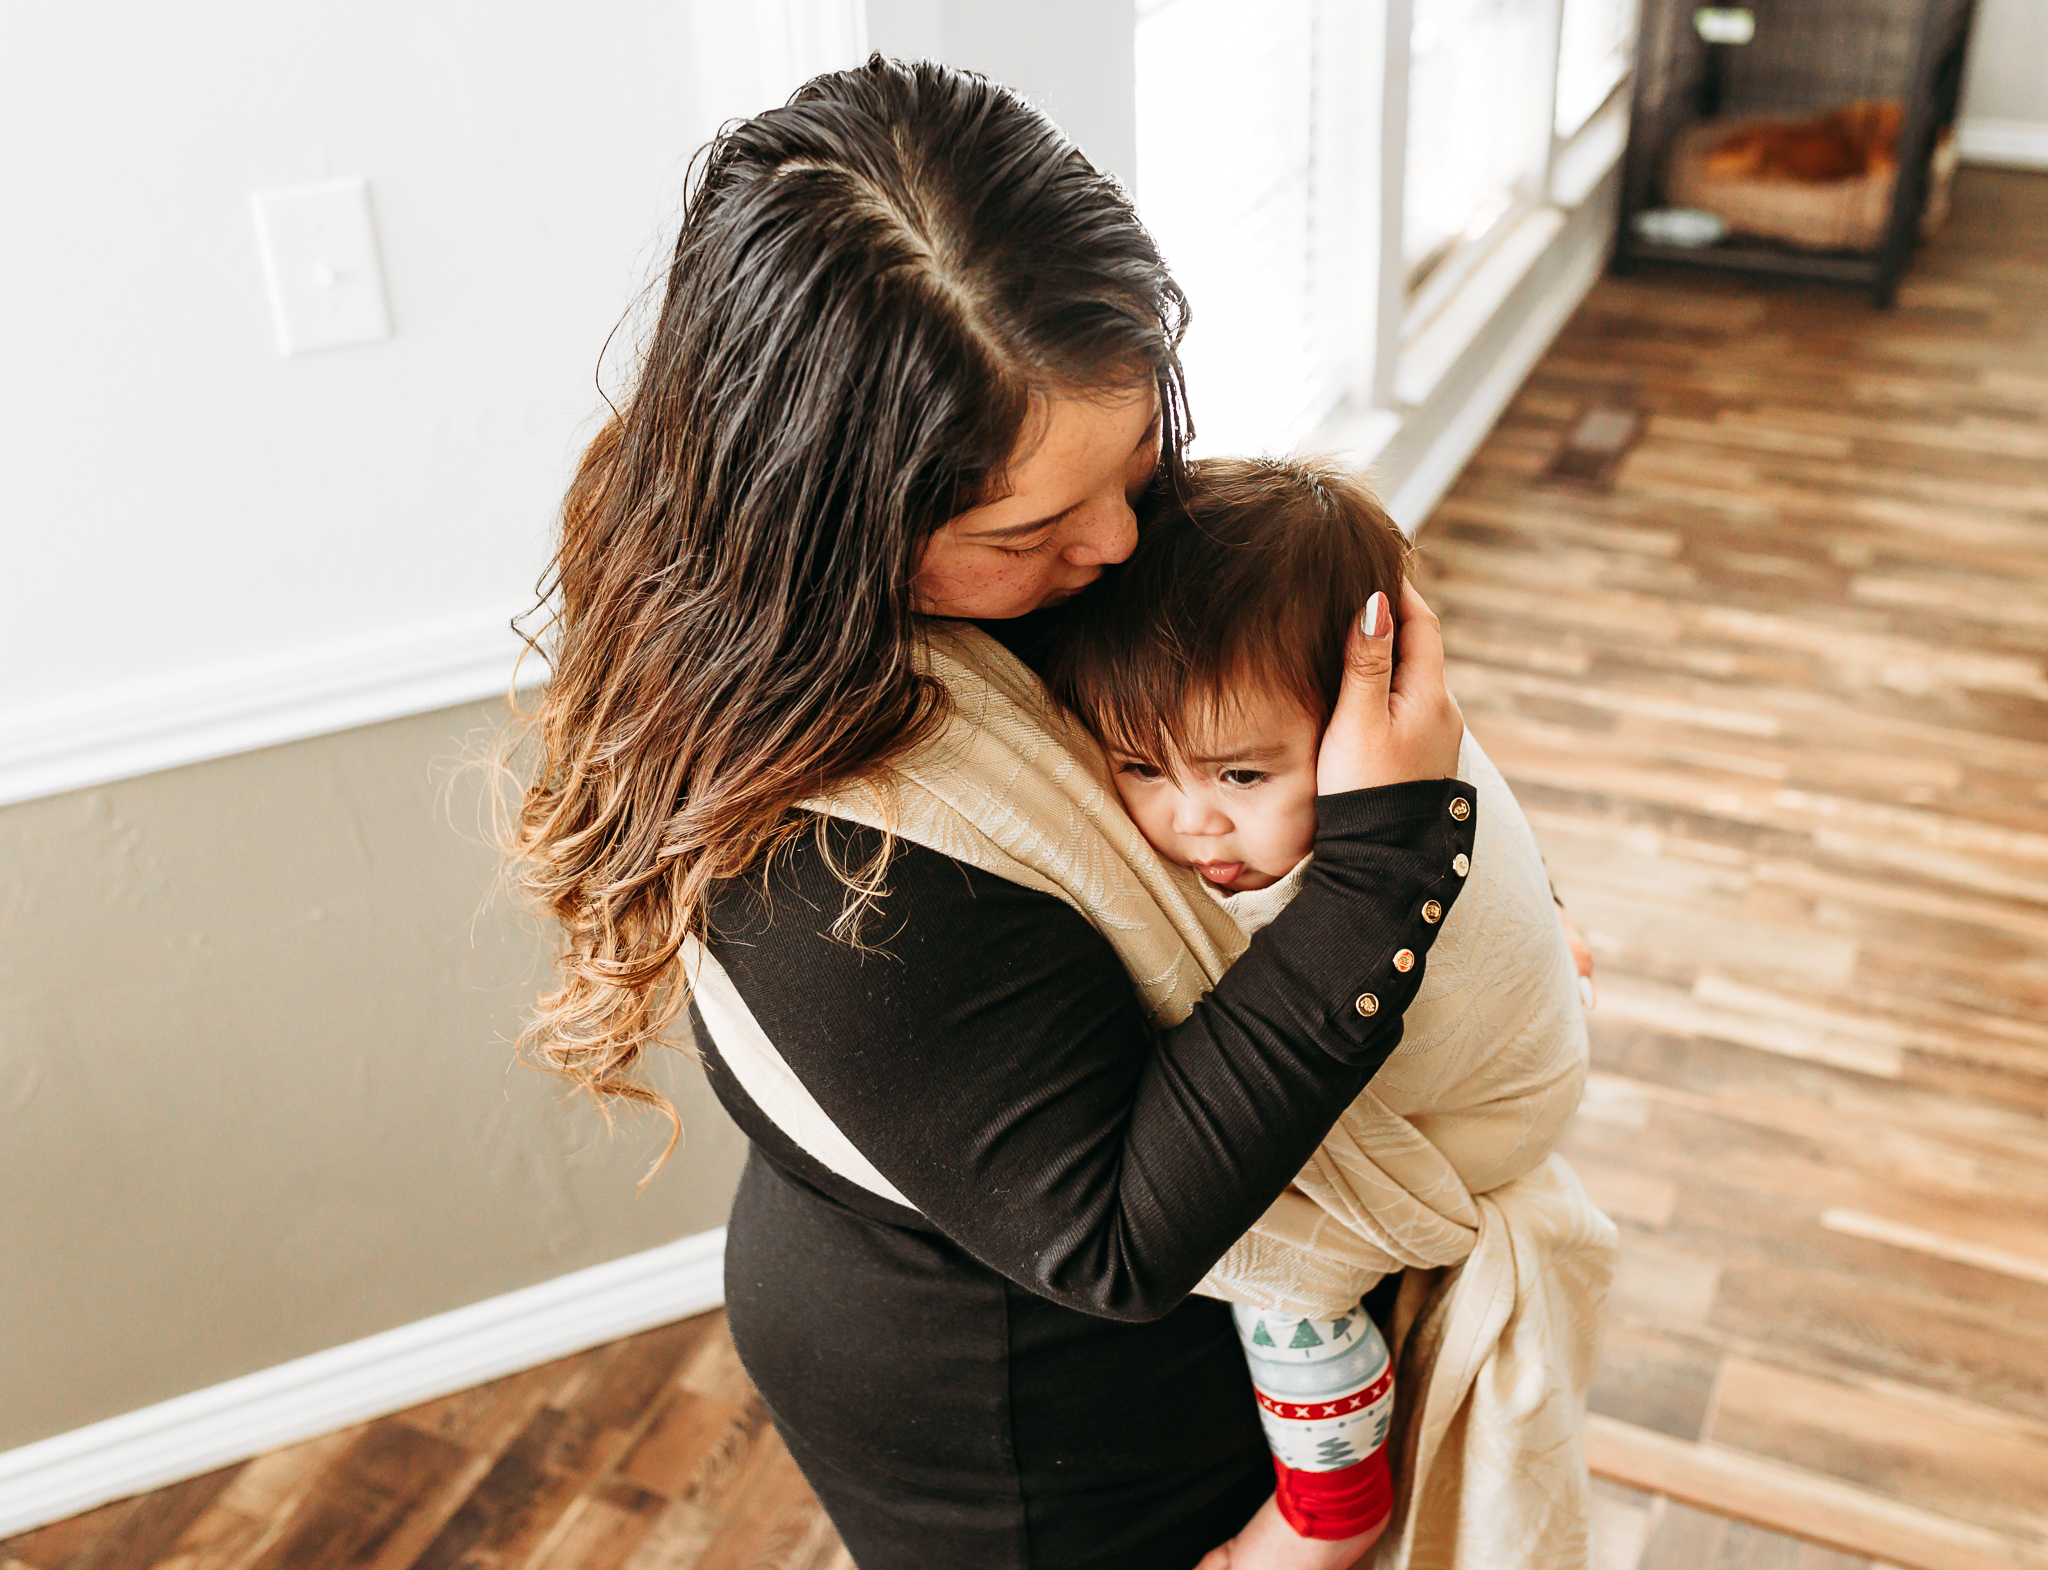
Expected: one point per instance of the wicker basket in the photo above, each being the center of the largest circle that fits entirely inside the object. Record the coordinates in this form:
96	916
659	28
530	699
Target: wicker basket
1838	215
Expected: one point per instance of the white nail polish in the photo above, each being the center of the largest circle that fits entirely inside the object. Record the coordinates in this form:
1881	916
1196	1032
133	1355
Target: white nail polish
1586	992
1369	618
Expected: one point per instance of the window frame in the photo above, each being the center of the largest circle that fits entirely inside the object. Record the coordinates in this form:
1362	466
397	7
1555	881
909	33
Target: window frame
1422	325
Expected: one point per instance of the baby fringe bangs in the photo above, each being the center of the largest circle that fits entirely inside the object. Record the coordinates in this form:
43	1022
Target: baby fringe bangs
1247	575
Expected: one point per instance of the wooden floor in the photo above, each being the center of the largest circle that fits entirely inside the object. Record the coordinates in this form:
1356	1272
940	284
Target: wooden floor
1778	708
651	1453
1638	1531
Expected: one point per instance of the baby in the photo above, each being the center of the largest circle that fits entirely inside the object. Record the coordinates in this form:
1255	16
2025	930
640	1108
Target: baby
1207	666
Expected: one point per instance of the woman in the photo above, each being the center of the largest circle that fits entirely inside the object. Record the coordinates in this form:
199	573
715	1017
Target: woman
916	359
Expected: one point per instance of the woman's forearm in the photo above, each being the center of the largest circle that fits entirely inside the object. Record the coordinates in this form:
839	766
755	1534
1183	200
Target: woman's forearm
986	1052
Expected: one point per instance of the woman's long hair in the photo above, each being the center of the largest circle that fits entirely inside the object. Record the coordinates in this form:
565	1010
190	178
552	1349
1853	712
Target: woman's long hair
872	285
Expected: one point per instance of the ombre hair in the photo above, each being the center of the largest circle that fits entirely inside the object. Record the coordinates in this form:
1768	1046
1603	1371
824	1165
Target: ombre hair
872	286
1247	575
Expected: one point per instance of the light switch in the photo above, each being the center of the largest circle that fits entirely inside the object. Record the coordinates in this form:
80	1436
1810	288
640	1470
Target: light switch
320	252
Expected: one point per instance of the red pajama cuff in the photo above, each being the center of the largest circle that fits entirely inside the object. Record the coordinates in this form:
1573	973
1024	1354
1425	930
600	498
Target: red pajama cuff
1330	1506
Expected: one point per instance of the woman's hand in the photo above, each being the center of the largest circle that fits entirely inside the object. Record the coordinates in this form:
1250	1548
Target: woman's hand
1582	955
1395	720
1269	1543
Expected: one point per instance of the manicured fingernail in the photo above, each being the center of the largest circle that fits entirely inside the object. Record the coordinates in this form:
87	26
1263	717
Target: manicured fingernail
1369	618
1586	992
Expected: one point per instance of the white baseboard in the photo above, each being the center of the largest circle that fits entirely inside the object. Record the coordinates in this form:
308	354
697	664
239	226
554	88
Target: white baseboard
166	722
2022	144
192	1434
1415	494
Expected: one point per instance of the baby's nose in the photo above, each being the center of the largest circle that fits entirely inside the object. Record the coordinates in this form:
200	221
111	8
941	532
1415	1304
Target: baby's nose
1196	817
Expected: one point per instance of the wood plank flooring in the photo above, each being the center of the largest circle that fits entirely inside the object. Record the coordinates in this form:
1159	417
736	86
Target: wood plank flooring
1633	1530
652	1453
1777	704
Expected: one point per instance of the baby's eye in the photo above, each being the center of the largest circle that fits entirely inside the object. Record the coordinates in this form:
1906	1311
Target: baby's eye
1245	777
1137	770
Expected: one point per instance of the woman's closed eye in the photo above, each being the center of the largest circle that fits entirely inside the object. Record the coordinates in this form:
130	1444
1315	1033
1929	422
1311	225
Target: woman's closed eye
1027	550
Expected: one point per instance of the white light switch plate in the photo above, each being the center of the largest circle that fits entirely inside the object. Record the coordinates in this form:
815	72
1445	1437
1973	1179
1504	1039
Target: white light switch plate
320	252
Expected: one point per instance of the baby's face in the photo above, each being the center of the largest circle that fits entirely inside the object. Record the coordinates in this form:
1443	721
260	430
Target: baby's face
1243	813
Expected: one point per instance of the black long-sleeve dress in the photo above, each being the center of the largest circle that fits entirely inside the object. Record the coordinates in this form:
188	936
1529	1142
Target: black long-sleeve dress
1012	1374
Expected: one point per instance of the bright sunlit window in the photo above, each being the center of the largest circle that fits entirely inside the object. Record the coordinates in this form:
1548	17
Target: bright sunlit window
1595	45
1478	120
1317	234
1224	175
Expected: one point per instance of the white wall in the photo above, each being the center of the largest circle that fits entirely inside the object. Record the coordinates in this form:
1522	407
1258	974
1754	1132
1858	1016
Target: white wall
2008	77
186	497
209	547
2005	95
1075	59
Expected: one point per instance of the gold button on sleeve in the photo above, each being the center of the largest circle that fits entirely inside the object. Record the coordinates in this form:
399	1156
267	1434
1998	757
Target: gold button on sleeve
1404	960
1461	809
1461	864
1432	912
1367	1004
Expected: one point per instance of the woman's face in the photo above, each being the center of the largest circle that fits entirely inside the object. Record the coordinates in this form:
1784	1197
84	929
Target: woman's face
1065	513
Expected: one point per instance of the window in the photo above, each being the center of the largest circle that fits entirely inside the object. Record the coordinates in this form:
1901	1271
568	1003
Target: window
1224	168
1596	43
1257	174
1479	80
1349	189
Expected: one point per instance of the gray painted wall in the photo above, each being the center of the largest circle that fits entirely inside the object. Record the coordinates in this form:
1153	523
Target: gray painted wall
256	1097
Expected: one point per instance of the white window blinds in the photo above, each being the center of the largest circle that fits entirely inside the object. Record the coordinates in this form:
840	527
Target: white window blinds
1594	52
1479	80
1335	180
1223	172
1255	175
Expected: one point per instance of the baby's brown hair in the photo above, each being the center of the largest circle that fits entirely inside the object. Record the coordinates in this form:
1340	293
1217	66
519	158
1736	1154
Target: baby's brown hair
1250	572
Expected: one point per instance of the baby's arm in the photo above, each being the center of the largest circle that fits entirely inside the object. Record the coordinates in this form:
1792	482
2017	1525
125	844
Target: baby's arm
1326	1398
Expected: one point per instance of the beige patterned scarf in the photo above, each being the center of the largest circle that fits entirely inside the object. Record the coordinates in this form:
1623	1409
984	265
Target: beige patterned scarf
1444	1168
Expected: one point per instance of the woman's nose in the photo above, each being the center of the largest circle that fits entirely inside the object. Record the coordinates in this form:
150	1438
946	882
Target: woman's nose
1108	534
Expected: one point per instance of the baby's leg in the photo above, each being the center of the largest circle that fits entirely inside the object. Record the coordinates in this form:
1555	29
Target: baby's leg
1326	1398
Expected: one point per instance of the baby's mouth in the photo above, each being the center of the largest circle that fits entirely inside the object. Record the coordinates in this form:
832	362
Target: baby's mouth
1225	872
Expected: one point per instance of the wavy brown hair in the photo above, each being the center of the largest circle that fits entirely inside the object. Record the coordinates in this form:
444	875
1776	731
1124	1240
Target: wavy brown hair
872	286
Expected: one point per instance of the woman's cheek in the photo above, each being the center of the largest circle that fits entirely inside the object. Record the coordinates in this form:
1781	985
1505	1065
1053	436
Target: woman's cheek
960	587
1030	581
1015	586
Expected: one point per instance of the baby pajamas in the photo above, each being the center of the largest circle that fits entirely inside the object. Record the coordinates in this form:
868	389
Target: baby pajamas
1326	1398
